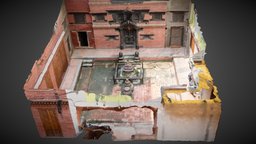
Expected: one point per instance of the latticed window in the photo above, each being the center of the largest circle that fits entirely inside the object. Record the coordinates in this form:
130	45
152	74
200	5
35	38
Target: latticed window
138	16
118	17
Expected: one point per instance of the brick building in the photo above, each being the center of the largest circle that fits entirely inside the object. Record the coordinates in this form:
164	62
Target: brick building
72	82
128	24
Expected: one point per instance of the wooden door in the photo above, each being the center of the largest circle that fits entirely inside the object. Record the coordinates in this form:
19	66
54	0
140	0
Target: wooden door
50	122
176	37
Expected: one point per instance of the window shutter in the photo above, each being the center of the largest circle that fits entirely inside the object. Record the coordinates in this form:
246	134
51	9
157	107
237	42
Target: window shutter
74	37
50	122
176	37
91	39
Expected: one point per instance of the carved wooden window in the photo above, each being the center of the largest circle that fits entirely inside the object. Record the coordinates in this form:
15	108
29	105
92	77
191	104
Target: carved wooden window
177	16
138	15
118	17
135	16
79	18
176	37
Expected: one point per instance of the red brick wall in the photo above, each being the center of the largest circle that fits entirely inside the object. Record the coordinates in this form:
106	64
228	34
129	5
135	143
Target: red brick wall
152	6
64	119
80	27
71	18
45	95
158	37
158	40
77	5
96	35
102	42
103	29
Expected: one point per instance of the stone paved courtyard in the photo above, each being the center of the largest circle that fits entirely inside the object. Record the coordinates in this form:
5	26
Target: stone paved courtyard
99	80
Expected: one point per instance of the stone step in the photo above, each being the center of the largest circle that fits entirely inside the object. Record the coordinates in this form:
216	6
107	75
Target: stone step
87	64
87	60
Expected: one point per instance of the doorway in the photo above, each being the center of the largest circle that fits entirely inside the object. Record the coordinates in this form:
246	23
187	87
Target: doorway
83	38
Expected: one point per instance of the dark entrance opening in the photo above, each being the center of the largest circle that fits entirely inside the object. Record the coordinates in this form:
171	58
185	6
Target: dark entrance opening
83	39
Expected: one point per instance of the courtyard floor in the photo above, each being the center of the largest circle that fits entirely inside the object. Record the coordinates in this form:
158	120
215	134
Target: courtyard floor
99	80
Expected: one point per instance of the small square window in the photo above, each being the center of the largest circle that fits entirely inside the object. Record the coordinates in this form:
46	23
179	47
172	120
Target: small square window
178	16
99	17
79	18
156	16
